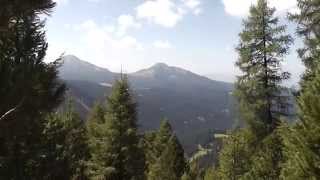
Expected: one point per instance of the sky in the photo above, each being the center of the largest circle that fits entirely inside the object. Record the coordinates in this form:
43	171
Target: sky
198	35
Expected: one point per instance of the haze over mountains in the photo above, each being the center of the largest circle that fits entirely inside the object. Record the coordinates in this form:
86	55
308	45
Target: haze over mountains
195	105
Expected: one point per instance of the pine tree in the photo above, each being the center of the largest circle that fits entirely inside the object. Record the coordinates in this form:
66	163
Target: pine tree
171	164
97	114
256	152
266	160
13	9
308	20
150	150
165	155
263	44
234	158
29	88
64	148
97	140
302	142
116	150
193	171
211	174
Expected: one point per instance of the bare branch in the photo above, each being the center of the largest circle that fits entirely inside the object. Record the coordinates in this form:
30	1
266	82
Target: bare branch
5	115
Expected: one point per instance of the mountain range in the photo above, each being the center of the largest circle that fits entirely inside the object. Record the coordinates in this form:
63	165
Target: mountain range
195	105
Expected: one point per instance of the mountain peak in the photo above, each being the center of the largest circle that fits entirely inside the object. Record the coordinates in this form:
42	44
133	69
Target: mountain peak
160	65
74	60
70	56
74	68
164	72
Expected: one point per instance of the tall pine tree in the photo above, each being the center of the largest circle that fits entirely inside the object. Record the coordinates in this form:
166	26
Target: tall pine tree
308	20
302	142
116	151
29	87
263	44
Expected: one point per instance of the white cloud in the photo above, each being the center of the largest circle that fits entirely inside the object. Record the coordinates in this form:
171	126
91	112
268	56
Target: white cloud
197	11
60	2
126	22
100	44
284	5
192	4
102	36
162	44
241	7
162	12
167	13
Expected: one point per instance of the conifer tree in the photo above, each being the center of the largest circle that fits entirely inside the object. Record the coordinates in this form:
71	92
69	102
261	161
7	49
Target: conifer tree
266	161
210	174
165	155
234	158
64	148
171	164
193	171
97	140
308	19
150	150
13	9
116	151
302	142
29	87
263	44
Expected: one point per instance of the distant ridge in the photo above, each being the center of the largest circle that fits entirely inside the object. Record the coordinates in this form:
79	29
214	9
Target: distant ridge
195	105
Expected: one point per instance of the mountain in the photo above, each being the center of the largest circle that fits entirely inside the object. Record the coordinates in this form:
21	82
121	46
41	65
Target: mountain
195	105
76	69
231	78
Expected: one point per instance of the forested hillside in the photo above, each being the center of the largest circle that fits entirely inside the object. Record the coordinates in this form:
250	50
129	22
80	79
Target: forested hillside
43	137
195	106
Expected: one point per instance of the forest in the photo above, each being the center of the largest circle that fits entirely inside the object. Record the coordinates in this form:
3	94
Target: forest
43	138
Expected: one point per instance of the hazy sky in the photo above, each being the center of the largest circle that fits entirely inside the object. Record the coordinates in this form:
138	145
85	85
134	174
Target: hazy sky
199	35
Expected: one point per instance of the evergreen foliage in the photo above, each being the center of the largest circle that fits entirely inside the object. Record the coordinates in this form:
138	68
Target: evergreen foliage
29	87
266	162
256	151
64	149
37	143
11	10
211	174
263	44
193	171
165	155
234	158
302	142
115	145
308	20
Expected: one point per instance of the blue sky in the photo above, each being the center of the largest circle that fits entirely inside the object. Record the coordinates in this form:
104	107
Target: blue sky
198	35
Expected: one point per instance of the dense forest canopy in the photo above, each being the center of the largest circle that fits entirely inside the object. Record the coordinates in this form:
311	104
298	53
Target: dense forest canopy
43	137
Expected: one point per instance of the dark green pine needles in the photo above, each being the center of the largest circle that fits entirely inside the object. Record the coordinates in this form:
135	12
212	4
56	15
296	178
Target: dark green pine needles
308	20
165	157
255	152
114	140
263	44
29	87
302	142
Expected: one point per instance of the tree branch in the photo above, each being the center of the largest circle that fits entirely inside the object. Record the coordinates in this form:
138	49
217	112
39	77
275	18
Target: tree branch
12	110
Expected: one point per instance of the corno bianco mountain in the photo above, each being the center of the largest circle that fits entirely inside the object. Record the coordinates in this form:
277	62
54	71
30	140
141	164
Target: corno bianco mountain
195	105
